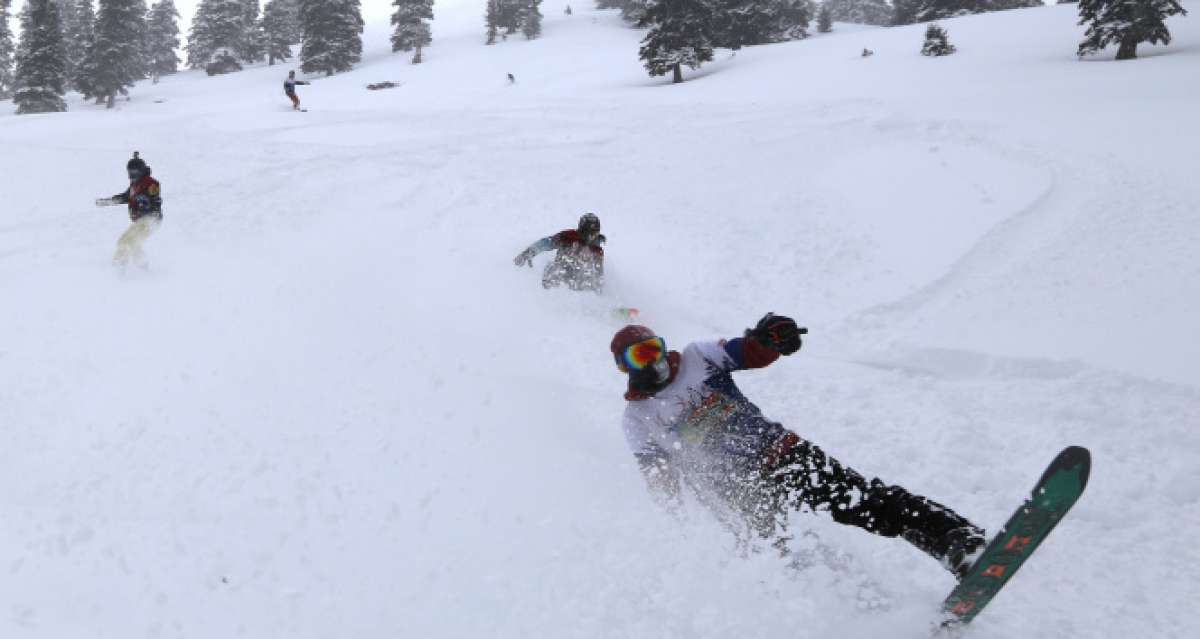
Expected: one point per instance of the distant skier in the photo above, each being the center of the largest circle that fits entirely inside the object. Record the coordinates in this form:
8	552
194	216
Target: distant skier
144	197
579	262
289	88
687	422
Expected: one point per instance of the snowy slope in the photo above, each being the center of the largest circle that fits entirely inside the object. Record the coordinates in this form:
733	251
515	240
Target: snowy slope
333	408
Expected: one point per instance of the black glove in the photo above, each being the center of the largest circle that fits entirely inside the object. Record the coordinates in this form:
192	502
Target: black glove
778	333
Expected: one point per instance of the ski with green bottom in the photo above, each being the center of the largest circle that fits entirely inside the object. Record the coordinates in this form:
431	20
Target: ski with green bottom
1059	488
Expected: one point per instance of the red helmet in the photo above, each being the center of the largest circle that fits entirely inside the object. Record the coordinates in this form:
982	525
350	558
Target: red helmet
627	337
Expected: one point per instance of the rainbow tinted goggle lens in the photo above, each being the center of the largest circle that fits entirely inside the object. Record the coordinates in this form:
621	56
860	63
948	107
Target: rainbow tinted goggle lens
642	354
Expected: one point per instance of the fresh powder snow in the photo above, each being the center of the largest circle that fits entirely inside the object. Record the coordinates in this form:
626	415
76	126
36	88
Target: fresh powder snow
331	407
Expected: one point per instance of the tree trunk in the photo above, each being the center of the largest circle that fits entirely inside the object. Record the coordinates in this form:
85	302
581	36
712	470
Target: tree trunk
678	77
1128	49
112	100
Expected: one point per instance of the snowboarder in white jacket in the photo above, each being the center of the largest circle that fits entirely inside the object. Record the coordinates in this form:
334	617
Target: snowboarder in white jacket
687	423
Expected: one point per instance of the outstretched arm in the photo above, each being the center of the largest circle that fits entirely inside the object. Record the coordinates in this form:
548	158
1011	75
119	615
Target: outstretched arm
774	335
525	258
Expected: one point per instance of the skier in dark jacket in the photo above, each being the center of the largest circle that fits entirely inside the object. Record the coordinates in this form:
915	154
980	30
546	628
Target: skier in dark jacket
687	422
579	262
289	88
144	197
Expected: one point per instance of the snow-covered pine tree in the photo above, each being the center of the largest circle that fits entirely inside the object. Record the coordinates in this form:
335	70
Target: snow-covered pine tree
930	10
217	27
280	30
1125	23
116	58
824	20
162	39
904	12
680	34
531	19
510	14
411	26
873	12
792	18
66	17
6	51
937	42
253	46
79	29
739	23
332	35
1004	5
633	10
491	20
41	78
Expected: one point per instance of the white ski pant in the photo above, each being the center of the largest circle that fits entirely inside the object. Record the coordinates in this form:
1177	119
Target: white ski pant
129	247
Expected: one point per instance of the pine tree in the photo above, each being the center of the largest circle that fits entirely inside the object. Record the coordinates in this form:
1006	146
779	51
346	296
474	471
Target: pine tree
531	19
41	76
631	11
491	20
116	58
738	23
411	29
905	12
1126	23
162	39
509	15
6	52
79	40
937	42
792	19
873	12
280	29
681	33
253	45
1005	5
218	30
929	10
332	35
79	31
824	20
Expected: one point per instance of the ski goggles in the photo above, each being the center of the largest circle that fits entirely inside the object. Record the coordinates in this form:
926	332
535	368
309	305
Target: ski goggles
643	354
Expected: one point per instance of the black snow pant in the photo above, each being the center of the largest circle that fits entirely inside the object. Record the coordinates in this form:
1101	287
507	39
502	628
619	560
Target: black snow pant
805	477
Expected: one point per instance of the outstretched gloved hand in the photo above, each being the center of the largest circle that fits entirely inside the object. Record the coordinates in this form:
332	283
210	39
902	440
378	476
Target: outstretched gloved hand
778	333
525	258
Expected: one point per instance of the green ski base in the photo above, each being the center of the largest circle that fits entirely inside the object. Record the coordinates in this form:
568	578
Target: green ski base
1059	488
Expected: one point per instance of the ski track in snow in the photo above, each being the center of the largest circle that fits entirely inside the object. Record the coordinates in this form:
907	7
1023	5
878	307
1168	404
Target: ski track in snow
332	408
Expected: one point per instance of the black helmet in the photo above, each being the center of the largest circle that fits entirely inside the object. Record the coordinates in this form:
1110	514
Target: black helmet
137	167
589	226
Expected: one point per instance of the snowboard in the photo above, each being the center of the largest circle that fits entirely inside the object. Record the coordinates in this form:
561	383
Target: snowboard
1053	495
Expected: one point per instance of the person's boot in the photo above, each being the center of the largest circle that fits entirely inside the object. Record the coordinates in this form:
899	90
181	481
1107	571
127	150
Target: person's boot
957	550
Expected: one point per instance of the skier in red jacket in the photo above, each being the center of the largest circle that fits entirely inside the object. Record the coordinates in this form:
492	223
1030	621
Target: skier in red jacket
144	197
579	262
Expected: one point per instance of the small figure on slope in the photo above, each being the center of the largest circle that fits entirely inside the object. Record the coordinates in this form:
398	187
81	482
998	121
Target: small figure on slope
687	423
289	88
144	197
579	262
